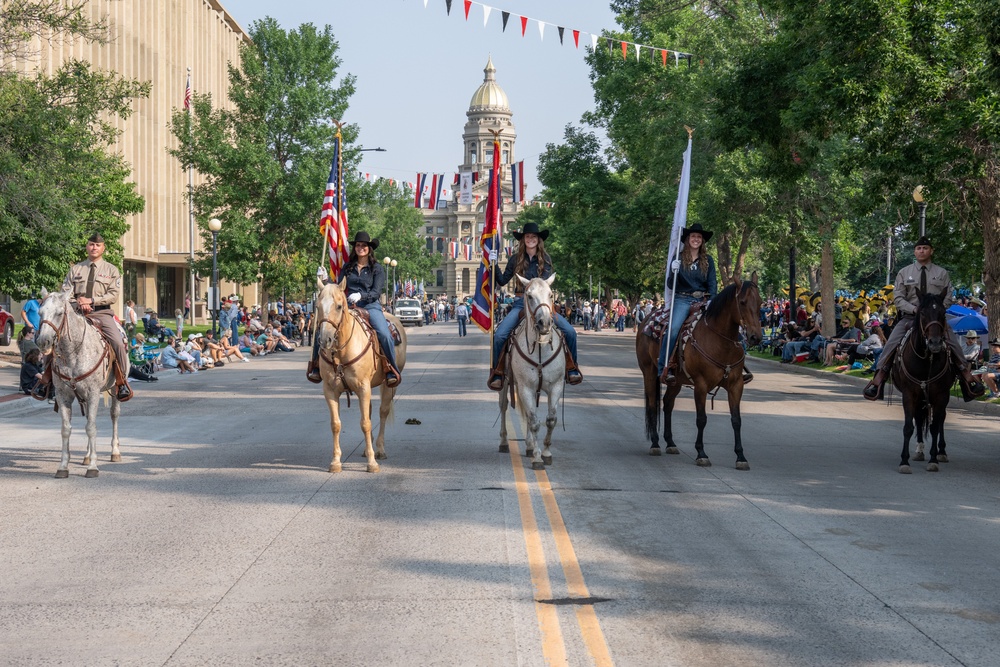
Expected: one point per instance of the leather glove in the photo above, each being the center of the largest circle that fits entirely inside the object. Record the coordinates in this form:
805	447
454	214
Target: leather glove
354	298
675	265
493	256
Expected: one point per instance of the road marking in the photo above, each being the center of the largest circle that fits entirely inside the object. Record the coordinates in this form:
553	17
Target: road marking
586	617
553	647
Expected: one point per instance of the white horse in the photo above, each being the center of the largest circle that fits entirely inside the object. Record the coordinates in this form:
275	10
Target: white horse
81	370
537	365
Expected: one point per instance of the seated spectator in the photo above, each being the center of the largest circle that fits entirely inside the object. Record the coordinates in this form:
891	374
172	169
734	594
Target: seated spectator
221	349
153	327
282	344
873	345
971	349
845	337
171	357
992	375
26	342
31	370
249	346
195	349
807	339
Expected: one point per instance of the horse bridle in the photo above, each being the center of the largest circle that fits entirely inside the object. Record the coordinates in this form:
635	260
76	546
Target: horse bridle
55	356
338	348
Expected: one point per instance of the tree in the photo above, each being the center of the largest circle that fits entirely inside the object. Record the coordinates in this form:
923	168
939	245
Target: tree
266	159
59	180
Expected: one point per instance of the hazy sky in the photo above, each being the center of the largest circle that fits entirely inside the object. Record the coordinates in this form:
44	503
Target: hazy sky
417	69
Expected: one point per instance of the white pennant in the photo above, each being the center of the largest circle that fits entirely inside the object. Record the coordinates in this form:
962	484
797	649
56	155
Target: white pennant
425	4
486	14
541	31
593	42
637	49
677	57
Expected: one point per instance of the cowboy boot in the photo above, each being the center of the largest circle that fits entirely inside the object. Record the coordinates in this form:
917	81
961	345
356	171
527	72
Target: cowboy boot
392	375
495	381
312	372
573	374
747	375
124	392
875	388
669	375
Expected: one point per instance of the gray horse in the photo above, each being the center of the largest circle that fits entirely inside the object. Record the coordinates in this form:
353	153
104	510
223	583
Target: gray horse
81	370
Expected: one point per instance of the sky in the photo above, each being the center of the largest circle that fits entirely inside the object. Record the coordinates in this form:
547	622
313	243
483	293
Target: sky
417	69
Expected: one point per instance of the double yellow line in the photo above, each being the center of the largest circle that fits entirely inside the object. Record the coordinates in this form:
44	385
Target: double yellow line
553	645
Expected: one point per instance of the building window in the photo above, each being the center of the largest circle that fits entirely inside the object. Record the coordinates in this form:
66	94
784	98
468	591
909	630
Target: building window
440	230
430	244
465	287
440	244
134	282
489	156
440	278
430	230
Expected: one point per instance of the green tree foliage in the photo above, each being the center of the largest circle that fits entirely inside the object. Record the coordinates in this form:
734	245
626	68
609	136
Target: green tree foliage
266	159
60	181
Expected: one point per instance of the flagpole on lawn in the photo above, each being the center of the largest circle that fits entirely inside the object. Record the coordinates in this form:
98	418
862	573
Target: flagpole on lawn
187	108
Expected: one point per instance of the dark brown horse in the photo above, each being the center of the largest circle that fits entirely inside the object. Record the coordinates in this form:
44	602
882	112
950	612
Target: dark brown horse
712	358
923	374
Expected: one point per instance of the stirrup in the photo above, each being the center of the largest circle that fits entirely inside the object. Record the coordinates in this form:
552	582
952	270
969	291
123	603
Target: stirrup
574	376
124	393
495	382
312	373
747	376
392	379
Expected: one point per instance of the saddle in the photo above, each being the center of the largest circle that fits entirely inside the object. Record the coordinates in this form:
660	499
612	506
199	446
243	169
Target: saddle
656	324
363	315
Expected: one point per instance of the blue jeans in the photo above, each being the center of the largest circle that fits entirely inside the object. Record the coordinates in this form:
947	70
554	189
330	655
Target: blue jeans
461	326
234	338
792	348
682	306
509	323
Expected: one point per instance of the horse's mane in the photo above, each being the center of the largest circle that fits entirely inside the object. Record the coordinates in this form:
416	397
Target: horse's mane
721	301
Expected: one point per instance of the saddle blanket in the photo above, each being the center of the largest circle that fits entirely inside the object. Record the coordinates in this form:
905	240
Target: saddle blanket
657	323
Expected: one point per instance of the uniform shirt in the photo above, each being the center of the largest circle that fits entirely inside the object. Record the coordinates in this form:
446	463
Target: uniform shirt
369	283
107	281
530	271
908	282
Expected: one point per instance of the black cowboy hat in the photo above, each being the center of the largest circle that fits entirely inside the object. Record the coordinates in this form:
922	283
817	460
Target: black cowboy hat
362	237
531	228
696	227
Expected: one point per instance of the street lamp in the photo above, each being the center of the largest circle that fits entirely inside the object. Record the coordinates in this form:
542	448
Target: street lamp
393	264
387	260
918	196
215	225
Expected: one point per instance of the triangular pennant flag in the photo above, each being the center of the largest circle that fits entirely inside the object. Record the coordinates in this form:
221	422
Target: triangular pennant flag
448	5
593	43
505	16
524	25
638	49
677	57
624	50
541	31
663	55
425	4
611	46
576	38
486	14
468	5
561	31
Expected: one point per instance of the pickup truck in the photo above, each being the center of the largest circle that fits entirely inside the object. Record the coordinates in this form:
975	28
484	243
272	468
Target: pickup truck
409	312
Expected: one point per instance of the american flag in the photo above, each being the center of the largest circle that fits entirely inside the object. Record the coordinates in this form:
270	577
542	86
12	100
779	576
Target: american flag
187	93
333	221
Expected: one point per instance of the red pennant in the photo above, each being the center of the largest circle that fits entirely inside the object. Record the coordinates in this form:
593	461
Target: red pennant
524	25
663	55
576	38
624	50
468	3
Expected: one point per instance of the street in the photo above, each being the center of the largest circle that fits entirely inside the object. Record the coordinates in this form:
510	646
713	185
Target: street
222	539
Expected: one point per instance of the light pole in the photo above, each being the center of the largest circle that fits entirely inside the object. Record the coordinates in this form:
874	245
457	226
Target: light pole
215	225
918	196
387	261
393	264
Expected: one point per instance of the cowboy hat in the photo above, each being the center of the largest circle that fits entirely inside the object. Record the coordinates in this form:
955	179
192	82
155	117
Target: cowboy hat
363	237
971	334
697	229
531	228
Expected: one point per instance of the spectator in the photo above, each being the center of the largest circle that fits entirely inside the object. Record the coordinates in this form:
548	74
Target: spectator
249	346
806	339
26	342
29	313
221	349
588	316
179	322
194	348
130	319
282	344
971	349
153	327
871	345
992	374
845	337
170	357
31	370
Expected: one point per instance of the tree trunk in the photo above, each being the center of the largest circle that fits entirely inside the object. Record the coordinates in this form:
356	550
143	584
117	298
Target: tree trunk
826	281
988	194
725	264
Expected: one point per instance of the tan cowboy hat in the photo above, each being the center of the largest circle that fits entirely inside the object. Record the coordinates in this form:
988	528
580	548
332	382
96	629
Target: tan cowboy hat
971	335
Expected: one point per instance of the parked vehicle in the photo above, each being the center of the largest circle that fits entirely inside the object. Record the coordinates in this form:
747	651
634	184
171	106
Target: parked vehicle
409	312
6	327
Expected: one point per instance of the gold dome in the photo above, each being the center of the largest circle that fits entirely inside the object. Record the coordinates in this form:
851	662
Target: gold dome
489	96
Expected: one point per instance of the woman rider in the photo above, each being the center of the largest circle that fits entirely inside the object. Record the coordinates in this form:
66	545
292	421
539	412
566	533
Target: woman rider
696	281
365	284
529	261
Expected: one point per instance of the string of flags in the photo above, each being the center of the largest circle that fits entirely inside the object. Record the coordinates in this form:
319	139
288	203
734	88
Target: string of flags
626	47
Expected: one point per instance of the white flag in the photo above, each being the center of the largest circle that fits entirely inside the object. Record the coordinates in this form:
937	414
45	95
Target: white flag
680	221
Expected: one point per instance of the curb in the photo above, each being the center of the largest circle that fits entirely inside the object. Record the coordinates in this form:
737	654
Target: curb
956	403
18	404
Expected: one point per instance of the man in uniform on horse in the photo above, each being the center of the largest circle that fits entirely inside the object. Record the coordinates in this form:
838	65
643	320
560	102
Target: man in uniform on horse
95	285
921	277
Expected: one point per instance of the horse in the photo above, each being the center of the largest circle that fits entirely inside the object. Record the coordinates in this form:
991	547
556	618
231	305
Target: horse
712	359
81	369
537	364
923	373
349	362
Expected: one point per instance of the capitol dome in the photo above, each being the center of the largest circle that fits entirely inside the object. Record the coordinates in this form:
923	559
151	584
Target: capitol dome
489	96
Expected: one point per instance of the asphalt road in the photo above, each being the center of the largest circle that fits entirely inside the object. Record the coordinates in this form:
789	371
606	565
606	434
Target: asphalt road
221	538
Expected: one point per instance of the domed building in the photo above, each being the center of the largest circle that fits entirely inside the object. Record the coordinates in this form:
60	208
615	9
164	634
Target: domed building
489	109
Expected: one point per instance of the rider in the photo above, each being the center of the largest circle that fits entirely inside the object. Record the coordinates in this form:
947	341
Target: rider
95	285
912	281
365	284
529	261
696	282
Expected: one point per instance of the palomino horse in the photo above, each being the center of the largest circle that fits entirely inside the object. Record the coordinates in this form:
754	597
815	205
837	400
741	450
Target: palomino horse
923	373
537	364
713	358
349	362
81	370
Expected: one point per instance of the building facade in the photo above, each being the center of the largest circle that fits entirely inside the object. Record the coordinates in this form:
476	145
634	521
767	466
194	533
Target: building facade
489	109
158	41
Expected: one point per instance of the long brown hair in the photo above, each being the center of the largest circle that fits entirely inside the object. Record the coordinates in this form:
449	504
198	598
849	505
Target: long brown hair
702	256
521	264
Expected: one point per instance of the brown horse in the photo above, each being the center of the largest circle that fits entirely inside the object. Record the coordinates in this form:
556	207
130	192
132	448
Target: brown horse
712	358
349	361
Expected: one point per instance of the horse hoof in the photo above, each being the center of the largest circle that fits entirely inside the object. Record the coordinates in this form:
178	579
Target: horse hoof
529	453
86	460
547	460
91	473
373	467
905	470
336	467
116	458
932	467
704	463
919	456
942	458
62	474
505	449
742	465
380	455
655	451
673	450
537	465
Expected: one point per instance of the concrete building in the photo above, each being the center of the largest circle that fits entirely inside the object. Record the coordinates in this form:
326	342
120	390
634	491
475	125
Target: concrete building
157	41
489	109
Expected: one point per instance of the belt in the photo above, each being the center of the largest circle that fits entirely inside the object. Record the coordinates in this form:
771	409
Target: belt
696	295
96	308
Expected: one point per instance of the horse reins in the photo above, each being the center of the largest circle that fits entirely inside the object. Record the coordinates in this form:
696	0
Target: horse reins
715	362
539	365
55	356
339	368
